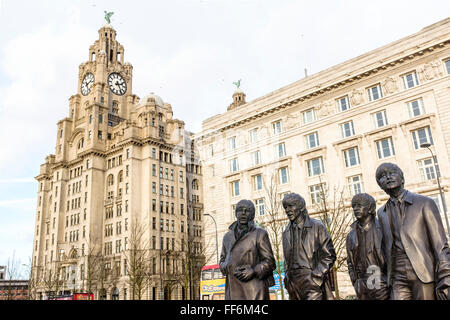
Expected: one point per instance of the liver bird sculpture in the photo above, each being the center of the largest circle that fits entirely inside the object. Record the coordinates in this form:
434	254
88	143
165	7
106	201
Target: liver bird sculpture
237	84
108	16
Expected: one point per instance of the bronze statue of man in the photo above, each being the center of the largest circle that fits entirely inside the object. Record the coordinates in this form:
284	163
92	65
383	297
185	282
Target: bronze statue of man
308	251
419	264
247	259
366	251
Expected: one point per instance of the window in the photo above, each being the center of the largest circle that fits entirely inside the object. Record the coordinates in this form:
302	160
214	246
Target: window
315	166
351	157
312	140
385	148
347	129
375	92
280	150
256	157
355	184
154	170
420	136
316	193
260	210
211	150
343	103
379	119
235	188
234	166
283	175
308	116
438	200
277	127
232	143
181	176
415	108
410	80
447	66
428	170
257	182
253	135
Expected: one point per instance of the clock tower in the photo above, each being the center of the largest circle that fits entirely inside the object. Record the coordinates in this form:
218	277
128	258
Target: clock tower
122	165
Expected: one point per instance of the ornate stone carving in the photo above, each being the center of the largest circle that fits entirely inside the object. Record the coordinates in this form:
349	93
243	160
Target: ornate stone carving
430	71
356	97
293	120
390	85
325	108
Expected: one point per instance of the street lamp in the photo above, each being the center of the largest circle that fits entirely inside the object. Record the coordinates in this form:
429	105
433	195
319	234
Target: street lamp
217	243
427	145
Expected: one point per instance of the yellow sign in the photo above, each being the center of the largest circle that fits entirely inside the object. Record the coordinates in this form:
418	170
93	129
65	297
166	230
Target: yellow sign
212	286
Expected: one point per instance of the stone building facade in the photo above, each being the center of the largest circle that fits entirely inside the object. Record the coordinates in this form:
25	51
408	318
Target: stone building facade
123	180
335	127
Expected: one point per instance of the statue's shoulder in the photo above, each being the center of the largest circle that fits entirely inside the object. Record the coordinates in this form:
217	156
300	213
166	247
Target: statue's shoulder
381	210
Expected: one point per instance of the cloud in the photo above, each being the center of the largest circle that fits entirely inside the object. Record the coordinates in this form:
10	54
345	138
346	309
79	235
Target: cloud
18	180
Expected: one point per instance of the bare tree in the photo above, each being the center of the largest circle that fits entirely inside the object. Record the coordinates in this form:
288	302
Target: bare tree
193	259
31	275
12	272
53	279
274	220
92	266
138	260
337	218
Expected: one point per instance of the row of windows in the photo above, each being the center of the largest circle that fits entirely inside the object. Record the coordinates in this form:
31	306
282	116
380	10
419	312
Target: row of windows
316	167
355	185
385	148
164	190
115	161
109	211
109	228
108	248
379	119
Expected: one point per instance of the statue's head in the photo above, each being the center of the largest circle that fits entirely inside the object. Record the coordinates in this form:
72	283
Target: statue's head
389	176
294	205
364	206
245	212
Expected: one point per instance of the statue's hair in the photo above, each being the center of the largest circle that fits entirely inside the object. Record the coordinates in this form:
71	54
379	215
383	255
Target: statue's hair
248	204
386	166
296	197
365	199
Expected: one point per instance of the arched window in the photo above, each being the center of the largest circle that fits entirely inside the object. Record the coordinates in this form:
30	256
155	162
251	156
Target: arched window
110	180
120	177
81	143
195	184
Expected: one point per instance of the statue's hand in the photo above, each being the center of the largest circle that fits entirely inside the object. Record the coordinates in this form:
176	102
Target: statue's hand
244	273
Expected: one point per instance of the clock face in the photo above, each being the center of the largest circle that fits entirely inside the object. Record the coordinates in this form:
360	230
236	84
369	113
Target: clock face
117	84
87	83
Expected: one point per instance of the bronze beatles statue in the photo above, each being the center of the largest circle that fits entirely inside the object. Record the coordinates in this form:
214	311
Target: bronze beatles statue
247	259
367	251
308	251
399	253
418	256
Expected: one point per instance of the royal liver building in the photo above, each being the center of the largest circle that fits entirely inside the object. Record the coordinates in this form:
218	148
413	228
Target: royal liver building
119	203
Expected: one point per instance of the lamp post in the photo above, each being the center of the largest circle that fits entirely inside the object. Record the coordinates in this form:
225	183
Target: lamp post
427	145
217	243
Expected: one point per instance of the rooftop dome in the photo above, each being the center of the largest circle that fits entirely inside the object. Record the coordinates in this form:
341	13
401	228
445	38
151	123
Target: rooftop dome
158	101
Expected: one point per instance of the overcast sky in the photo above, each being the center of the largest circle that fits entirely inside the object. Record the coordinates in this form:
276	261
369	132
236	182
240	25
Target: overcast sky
189	52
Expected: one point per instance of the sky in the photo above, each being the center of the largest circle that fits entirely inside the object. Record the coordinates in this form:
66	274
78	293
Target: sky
189	52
